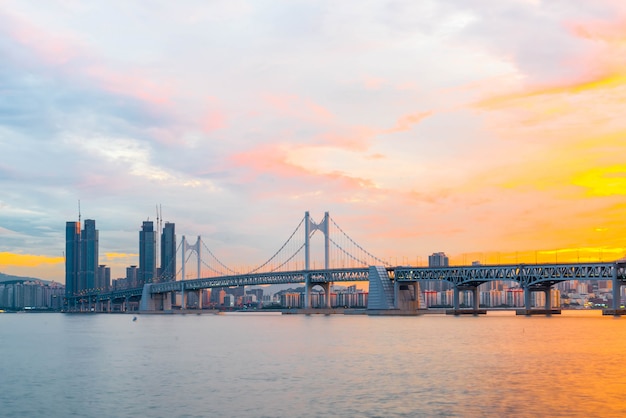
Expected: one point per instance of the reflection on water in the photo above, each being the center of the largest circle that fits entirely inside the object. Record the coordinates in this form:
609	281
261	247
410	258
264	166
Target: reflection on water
272	365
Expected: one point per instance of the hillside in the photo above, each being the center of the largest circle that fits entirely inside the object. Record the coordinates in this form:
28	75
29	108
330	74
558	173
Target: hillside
10	278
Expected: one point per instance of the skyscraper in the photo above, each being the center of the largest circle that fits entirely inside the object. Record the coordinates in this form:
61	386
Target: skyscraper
147	253
72	258
89	255
168	253
81	257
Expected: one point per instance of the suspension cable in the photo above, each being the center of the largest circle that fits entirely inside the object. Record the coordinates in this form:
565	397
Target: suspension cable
358	246
217	259
289	259
214	270
347	253
279	250
169	263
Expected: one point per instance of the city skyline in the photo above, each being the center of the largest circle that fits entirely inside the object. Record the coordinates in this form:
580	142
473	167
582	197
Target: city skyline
488	131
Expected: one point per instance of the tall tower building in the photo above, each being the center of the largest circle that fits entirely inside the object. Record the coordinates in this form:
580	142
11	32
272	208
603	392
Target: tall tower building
147	253
81	258
168	253
89	255
72	258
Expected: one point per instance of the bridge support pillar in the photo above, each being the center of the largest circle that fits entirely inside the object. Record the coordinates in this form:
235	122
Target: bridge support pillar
307	291
183	300
152	302
617	290
396	292
476	294
527	298
455	300
548	301
327	287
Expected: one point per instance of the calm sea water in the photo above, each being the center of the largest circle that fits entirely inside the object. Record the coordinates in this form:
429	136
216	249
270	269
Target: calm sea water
256	365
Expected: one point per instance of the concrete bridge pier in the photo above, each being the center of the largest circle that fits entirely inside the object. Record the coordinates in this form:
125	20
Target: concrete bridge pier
326	287
475	310
475	296
617	291
183	300
153	302
406	295
308	286
199	292
547	309
307	291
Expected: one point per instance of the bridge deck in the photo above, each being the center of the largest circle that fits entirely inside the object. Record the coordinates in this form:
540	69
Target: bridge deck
527	275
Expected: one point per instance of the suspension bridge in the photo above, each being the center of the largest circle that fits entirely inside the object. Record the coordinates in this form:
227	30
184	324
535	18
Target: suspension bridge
391	288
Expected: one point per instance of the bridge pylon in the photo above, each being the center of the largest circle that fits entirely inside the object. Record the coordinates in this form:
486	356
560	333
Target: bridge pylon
189	247
309	228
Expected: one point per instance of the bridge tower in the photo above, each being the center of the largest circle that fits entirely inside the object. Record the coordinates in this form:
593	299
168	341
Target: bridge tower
188	247
309	228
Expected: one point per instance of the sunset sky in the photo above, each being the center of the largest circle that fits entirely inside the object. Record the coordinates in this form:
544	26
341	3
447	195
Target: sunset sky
490	130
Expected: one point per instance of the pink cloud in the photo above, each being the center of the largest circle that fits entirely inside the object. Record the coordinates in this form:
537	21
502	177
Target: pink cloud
406	122
274	160
357	138
298	107
213	118
69	56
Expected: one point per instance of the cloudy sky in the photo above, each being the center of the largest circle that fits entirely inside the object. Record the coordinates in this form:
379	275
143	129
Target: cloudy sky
491	130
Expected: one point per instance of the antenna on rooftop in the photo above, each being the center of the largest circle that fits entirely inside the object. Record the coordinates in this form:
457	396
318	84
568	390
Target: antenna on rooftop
78	210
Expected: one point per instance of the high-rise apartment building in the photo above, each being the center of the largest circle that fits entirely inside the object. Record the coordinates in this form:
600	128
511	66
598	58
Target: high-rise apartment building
81	257
103	278
89	255
132	277
167	272
147	253
438	260
72	258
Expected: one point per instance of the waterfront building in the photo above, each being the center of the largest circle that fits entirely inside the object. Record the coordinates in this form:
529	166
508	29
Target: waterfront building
132	277
439	259
89	255
291	300
81	257
167	272
147	253
29	294
72	258
103	278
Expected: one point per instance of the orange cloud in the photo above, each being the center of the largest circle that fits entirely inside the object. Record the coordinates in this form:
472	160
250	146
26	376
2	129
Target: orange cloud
605	82
113	256
28	260
603	181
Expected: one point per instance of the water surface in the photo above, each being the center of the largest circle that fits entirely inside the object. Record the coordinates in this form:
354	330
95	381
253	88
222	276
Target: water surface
256	365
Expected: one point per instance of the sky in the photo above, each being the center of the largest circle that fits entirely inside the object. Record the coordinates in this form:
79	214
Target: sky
490	130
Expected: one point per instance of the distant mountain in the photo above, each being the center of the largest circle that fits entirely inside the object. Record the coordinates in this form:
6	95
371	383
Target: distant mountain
10	278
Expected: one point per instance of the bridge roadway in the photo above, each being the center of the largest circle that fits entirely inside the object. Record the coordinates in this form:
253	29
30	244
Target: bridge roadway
531	277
